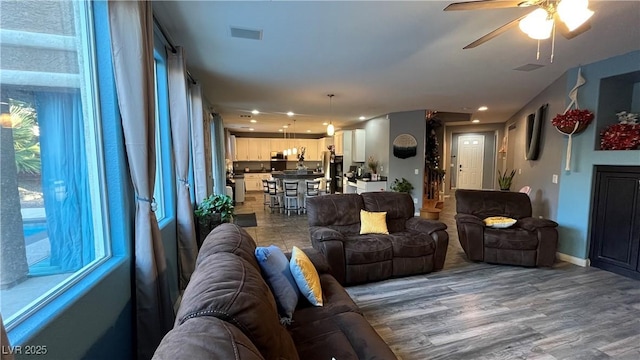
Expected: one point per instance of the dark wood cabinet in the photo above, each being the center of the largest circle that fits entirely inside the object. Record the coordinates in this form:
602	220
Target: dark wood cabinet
615	220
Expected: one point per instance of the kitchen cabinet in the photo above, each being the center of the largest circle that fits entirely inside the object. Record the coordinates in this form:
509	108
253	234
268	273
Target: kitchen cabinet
259	149
368	186
242	149
357	145
338	142
311	153
253	182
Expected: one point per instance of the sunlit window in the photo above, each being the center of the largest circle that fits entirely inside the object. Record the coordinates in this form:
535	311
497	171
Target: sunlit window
52	200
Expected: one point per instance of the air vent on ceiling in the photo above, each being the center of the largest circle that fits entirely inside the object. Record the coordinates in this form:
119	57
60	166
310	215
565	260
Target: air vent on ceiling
529	67
241	33
245	116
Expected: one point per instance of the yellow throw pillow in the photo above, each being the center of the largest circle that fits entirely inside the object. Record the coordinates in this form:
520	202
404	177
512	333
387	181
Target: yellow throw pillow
306	276
499	222
373	222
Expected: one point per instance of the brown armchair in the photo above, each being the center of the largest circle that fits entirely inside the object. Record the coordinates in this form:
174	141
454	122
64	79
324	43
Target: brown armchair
529	242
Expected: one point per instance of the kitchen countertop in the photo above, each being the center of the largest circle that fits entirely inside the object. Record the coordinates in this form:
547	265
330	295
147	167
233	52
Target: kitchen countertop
292	174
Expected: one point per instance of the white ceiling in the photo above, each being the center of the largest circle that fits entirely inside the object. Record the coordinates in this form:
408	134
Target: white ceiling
376	57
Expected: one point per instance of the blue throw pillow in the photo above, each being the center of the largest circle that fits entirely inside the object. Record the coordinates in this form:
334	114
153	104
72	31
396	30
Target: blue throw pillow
275	269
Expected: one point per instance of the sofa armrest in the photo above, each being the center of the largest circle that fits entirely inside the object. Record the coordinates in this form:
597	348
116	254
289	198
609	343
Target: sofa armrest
533	224
424	226
468	219
321	233
333	252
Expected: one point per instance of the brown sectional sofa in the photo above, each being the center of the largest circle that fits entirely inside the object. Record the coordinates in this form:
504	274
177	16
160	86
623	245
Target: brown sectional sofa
228	312
413	245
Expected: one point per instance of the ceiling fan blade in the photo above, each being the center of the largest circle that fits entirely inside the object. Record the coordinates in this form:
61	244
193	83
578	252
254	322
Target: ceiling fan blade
495	33
564	30
483	4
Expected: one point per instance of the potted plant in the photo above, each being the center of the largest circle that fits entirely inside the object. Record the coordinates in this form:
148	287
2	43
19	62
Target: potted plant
373	164
505	180
402	186
211	212
573	121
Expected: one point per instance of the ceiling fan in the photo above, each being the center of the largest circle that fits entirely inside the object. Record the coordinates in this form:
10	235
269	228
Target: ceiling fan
569	17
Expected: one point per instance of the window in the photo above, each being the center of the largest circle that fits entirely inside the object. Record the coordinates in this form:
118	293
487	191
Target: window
52	201
163	140
158	193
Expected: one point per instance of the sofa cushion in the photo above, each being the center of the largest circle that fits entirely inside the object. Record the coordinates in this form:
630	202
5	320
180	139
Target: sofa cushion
306	276
412	244
229	238
484	204
366	249
373	222
336	301
230	288
339	212
398	206
343	336
512	239
206	337
275	267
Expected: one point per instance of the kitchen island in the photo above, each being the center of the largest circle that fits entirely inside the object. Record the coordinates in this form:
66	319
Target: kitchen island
295	175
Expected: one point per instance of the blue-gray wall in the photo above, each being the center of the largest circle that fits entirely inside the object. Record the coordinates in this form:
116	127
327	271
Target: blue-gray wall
574	205
538	174
377	136
414	123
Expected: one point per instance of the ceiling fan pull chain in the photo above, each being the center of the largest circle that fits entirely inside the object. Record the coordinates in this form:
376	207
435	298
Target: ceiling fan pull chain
538	52
553	41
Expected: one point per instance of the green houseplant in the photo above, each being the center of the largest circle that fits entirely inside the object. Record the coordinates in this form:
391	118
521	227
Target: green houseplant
505	180
402	186
211	212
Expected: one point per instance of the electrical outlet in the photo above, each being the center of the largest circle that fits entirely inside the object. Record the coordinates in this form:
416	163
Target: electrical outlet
381	169
554	178
415	200
417	172
519	171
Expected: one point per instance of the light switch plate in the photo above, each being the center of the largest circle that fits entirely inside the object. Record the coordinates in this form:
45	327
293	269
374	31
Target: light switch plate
415	200
554	178
417	171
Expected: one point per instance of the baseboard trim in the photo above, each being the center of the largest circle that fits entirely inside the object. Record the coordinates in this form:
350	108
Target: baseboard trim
573	260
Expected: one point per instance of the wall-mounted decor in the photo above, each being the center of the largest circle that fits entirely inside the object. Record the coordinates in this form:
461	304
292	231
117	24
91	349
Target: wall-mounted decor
405	146
572	121
534	132
625	135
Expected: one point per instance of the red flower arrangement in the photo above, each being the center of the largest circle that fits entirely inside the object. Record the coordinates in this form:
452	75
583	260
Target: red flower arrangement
566	122
622	136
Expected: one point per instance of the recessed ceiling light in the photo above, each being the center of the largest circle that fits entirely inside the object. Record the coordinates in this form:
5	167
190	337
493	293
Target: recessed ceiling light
280	130
362	117
255	112
251	129
475	121
308	130
285	126
253	121
325	123
483	108
290	113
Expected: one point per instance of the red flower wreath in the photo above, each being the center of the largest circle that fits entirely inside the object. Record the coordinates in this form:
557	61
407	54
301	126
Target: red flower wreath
566	122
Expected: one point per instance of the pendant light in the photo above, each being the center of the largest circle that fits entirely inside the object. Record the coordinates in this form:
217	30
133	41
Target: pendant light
295	148
330	129
284	152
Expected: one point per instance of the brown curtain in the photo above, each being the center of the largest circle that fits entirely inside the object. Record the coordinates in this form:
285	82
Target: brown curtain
131	25
178	107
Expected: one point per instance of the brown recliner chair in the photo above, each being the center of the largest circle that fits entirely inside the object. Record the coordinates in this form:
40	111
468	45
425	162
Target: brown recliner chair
529	242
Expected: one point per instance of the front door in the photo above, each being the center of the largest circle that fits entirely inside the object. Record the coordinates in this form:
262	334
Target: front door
470	161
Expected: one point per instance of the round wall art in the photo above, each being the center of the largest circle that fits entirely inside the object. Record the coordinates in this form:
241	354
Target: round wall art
405	146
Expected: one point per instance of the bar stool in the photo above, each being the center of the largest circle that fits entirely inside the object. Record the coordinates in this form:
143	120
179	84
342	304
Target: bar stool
312	190
275	195
291	196
265	193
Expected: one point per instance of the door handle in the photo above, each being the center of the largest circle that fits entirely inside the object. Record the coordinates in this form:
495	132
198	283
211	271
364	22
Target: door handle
460	167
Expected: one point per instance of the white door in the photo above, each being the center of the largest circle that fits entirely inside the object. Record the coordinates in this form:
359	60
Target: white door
470	161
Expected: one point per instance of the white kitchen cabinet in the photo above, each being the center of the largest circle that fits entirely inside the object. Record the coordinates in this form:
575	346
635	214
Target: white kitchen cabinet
253	181
311	153
368	186
259	149
242	149
357	145
338	142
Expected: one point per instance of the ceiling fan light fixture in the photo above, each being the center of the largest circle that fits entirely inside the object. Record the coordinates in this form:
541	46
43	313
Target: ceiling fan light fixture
537	25
574	12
